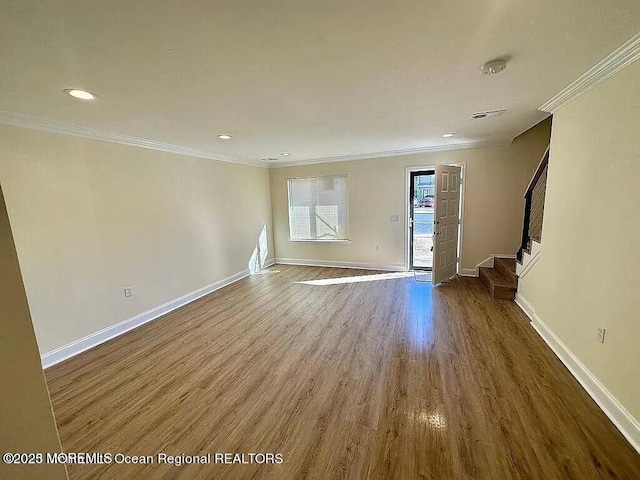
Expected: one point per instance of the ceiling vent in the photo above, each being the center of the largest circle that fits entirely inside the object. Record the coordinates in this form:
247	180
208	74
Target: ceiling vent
488	114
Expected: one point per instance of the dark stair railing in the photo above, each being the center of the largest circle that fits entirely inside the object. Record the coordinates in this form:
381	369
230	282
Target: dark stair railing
534	206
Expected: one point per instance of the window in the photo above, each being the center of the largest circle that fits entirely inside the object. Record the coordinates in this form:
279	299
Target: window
318	208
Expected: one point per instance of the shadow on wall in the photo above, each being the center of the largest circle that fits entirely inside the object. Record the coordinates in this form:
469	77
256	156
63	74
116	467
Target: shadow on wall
259	255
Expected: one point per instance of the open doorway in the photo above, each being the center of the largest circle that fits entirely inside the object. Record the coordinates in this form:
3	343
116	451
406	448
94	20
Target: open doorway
421	218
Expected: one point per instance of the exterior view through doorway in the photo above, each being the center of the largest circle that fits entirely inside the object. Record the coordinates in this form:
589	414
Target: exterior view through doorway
421	219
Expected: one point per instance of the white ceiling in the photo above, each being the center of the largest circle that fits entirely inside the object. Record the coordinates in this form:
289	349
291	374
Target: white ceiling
319	79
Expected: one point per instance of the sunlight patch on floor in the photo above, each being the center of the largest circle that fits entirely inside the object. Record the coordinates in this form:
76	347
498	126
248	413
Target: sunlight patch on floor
358	279
266	271
423	277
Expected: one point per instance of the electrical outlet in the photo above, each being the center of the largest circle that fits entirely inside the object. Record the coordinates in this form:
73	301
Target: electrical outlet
128	292
394	218
377	248
600	335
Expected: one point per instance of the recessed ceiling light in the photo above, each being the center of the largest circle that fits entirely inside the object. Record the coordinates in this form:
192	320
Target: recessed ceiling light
285	154
81	94
224	137
448	135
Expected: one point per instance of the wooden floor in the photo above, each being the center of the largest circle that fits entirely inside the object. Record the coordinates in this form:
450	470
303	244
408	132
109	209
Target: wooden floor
378	379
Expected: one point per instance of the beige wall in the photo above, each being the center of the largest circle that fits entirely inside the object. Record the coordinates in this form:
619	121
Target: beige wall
91	217
496	178
26	418
588	275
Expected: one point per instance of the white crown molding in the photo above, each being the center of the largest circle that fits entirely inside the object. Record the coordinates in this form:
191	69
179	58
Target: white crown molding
37	123
53	126
394	153
622	57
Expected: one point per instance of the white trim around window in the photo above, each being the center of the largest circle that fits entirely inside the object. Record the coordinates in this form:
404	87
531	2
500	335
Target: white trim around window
318	209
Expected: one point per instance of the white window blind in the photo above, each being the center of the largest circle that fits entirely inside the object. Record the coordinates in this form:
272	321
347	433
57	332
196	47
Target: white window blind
318	208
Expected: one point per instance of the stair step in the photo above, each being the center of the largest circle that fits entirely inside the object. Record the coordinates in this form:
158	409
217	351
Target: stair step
500	286
506	266
496	277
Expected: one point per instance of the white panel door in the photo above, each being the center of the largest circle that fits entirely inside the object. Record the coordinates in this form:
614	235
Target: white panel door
446	219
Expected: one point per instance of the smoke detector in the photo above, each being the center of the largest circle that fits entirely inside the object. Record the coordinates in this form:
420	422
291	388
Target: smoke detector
488	114
493	67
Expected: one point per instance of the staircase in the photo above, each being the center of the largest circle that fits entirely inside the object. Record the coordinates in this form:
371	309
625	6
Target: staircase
534	198
501	280
527	258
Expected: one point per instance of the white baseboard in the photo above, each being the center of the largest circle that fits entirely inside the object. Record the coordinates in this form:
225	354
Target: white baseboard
527	268
524	305
528	260
502	255
467	272
608	403
74	348
329	263
487	262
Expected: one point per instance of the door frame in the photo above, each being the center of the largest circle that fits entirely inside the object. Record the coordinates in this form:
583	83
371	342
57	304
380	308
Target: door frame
407	209
410	207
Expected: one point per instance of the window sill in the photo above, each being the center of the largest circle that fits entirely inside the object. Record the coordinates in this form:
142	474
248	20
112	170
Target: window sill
339	242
